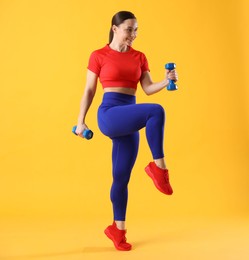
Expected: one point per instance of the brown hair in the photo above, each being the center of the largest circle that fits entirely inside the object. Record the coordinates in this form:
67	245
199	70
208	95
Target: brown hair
119	18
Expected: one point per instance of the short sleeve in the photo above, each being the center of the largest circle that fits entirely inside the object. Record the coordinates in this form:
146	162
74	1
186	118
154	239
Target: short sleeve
144	65
93	63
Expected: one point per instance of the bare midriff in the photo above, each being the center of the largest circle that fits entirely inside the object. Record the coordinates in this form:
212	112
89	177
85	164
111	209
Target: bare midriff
128	91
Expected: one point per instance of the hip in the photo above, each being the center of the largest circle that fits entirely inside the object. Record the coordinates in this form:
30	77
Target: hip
111	99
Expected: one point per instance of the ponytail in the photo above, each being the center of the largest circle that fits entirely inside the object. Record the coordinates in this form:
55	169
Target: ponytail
110	35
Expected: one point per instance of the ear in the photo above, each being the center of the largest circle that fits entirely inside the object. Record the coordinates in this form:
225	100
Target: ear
114	28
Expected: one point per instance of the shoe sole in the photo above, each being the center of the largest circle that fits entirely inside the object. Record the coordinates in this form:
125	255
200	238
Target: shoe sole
108	234
149	172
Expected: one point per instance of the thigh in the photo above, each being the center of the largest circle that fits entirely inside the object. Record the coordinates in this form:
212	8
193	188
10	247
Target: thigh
124	120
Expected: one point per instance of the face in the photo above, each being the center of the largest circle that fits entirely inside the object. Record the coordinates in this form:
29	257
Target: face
126	32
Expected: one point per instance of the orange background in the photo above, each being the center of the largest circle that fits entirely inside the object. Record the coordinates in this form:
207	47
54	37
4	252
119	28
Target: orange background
47	173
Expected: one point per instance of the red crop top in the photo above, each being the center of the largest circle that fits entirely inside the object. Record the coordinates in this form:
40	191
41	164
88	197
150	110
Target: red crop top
118	69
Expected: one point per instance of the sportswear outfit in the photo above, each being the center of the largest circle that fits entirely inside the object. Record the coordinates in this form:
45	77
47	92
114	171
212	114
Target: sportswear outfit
120	118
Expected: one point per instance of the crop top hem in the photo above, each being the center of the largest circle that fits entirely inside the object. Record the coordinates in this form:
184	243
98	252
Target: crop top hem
118	84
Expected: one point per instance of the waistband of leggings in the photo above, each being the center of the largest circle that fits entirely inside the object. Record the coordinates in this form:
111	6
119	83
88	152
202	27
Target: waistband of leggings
114	98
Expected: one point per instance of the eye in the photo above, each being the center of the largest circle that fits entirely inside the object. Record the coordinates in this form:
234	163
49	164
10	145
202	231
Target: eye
131	30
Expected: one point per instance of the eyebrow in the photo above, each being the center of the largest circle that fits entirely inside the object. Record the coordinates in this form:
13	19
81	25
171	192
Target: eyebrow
130	27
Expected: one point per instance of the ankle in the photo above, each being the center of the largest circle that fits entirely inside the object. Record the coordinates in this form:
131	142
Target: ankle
160	163
120	224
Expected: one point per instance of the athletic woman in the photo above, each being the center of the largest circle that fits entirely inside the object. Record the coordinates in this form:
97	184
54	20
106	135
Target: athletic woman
120	68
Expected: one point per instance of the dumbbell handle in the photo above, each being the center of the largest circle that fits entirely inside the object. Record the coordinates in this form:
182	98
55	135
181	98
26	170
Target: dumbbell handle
172	85
87	133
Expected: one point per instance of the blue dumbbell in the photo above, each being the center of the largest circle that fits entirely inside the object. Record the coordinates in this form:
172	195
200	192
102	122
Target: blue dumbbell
172	85
87	133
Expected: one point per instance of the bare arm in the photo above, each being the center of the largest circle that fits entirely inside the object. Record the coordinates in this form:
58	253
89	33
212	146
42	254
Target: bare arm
151	87
86	101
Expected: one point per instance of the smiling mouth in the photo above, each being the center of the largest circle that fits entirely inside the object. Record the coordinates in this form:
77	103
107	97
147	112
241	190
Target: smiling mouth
129	41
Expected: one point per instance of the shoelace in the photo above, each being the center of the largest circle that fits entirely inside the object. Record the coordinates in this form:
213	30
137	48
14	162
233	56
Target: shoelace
123	240
166	176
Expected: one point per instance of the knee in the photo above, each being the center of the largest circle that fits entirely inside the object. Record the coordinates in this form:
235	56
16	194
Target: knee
158	111
121	179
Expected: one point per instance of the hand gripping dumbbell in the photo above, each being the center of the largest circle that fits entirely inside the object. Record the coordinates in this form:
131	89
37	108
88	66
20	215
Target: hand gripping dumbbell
172	85
87	133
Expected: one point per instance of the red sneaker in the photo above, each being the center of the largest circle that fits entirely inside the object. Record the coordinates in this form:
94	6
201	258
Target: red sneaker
118	237
160	178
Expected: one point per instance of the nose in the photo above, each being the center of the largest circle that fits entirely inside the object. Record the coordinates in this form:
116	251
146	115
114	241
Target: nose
134	34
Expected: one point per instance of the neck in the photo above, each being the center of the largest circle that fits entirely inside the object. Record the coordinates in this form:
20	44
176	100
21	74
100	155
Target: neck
119	47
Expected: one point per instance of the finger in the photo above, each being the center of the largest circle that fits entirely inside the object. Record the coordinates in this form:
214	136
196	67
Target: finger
81	135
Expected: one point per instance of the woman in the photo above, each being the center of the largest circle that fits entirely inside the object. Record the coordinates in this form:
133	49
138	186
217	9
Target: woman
120	68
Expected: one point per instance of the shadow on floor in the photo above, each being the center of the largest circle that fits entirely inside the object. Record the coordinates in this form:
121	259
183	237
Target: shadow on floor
85	250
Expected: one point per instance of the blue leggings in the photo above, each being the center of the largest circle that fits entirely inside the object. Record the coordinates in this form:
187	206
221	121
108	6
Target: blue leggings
120	118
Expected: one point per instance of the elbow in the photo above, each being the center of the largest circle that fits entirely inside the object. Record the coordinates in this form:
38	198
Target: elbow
148	91
90	92
148	88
